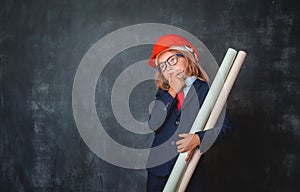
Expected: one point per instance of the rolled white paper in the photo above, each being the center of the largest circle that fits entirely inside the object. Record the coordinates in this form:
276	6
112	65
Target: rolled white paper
189	170
200	121
213	118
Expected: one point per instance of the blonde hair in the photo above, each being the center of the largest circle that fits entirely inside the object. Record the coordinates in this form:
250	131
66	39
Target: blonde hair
193	68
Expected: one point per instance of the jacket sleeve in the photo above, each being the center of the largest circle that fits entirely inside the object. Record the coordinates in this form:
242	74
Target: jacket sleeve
216	134
163	105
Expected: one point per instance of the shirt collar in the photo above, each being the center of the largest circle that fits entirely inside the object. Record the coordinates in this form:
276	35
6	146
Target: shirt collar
189	81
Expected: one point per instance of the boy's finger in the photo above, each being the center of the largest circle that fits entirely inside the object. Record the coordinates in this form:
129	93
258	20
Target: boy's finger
182	135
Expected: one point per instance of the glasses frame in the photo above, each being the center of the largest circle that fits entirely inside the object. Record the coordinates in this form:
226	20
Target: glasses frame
166	62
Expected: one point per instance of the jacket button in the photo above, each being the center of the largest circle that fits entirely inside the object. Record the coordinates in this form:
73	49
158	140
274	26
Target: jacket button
172	142
166	107
177	122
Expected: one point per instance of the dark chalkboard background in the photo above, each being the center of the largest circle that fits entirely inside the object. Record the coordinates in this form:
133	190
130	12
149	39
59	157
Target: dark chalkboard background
42	43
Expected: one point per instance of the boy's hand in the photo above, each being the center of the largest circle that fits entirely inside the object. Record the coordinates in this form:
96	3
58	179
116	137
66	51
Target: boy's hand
176	79
188	143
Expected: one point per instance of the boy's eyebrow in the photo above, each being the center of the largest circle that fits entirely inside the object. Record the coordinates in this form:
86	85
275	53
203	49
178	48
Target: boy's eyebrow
162	61
174	52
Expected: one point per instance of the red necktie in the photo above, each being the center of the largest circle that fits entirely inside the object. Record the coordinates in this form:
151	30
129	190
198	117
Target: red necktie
180	98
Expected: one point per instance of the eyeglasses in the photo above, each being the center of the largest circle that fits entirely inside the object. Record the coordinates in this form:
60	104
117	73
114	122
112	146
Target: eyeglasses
172	60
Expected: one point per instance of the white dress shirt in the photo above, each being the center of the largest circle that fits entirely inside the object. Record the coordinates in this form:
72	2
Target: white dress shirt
188	82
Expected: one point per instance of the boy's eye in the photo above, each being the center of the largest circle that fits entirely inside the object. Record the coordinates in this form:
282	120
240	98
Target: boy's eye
162	66
173	60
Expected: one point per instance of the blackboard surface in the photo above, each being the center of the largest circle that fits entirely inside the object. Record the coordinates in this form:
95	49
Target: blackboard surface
43	42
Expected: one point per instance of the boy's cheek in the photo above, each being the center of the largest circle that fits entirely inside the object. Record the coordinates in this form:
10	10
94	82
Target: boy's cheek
166	76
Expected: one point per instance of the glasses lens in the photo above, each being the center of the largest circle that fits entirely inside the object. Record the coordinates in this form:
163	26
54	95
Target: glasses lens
173	60
163	66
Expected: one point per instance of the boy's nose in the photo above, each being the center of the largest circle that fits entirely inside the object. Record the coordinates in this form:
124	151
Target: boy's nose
169	67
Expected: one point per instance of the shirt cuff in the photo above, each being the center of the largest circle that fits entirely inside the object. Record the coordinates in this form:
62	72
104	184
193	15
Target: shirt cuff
201	135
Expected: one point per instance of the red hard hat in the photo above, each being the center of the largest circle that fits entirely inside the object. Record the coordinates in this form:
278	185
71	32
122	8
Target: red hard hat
166	41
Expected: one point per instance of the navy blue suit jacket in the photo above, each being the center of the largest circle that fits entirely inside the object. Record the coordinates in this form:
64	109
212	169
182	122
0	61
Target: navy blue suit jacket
167	122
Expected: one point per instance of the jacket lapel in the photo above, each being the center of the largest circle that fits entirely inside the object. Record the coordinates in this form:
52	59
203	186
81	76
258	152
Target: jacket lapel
191	94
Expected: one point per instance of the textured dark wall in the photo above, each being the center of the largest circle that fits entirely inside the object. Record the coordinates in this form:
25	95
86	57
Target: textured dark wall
42	43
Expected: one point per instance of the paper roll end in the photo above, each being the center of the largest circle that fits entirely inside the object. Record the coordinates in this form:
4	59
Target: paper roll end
232	50
242	53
